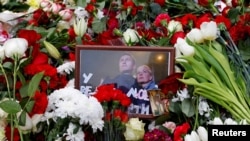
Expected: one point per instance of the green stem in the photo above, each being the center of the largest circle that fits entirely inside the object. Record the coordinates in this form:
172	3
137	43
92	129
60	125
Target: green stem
196	114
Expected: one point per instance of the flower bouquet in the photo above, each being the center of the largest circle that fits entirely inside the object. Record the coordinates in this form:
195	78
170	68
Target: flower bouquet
115	104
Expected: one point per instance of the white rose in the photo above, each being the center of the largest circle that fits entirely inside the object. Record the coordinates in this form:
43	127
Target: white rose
174	26
28	123
195	36
15	47
2	56
202	132
134	129
209	30
35	120
131	36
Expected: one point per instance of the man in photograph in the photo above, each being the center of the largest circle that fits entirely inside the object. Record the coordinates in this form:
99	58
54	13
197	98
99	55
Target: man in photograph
125	79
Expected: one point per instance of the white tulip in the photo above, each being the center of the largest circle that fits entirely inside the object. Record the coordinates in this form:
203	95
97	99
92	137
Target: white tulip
195	136
230	121
209	30
15	47
188	137
174	26
216	121
202	132
184	47
2	56
131	36
195	36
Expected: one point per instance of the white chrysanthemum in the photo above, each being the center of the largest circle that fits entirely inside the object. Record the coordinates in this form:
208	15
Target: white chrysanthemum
71	83
66	67
70	102
71	136
99	14
81	13
181	95
204	108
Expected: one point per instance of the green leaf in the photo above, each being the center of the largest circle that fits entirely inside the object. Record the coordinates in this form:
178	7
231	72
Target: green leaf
24	90
8	65
34	83
22	118
175	107
99	25
187	107
10	106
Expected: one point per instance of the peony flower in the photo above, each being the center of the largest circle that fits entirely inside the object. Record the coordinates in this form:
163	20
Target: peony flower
195	36
134	129
15	47
131	36
209	30
202	132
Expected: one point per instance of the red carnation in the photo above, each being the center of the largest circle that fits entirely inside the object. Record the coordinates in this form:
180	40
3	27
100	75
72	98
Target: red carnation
160	18
30	35
40	105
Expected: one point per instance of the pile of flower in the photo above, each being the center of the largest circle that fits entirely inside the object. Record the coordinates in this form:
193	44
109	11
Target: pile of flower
37	54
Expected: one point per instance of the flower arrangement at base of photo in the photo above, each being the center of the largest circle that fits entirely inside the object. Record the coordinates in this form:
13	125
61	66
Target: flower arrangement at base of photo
38	99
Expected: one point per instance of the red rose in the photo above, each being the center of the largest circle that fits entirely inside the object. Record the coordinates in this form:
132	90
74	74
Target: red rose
113	23
171	83
90	8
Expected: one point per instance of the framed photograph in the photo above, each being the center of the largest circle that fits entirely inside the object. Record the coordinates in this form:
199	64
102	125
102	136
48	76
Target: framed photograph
123	66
